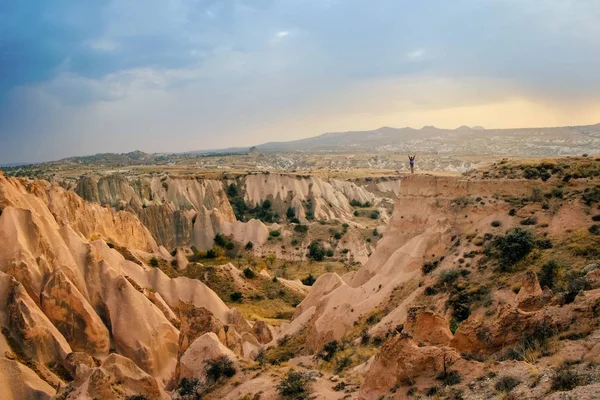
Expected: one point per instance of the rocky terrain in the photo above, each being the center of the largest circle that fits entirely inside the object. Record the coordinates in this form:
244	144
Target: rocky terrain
127	285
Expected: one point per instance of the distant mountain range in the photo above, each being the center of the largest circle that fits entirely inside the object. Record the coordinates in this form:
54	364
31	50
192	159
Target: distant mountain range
463	140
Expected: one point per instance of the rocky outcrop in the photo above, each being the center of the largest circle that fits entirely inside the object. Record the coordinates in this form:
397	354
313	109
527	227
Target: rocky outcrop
427	327
263	332
117	378
20	383
74	317
530	296
402	360
195	322
206	347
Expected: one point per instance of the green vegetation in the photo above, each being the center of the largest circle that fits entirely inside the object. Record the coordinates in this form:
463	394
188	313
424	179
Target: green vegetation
356	203
219	368
506	383
496	224
236	297
301	228
565	378
513	247
249	273
295	386
315	251
309	280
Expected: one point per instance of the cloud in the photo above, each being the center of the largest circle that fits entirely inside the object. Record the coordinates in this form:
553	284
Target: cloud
103	44
415	55
171	75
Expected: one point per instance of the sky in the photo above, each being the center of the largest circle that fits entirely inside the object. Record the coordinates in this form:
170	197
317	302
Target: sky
89	76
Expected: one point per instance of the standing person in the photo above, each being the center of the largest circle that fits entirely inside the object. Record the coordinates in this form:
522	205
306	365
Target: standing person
412	163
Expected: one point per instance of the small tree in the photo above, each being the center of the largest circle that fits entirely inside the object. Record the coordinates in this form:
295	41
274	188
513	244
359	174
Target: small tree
218	368
249	274
236	297
295	386
249	246
154	262
309	280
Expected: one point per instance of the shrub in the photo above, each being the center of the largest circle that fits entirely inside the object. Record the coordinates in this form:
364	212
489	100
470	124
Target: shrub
496	224
291	212
529	221
218	368
295	386
211	254
220	240
543	244
315	251
137	397
154	262
575	284
275	233
507	383
309	280
531	173
356	213
249	274
375	214
512	212
249	246
329	350
329	252
514	246
548	274
448	276
594	229
450	378
301	228
190	388
428	267
557	192
596	218
565	379
236	297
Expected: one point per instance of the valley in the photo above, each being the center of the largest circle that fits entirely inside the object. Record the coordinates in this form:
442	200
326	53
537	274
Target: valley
156	282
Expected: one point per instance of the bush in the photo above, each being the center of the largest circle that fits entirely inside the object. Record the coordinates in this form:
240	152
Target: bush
220	240
575	284
543	244
301	228
316	252
309	280
507	383
249	246
236	297
211	254
557	192
275	233
295	386
496	224
428	267
513	247
529	221
218	368
291	212
448	276
549	274
249	274
596	218
375	214
190	388
531	173
450	378
329	350
154	262
565	379
512	212
594	229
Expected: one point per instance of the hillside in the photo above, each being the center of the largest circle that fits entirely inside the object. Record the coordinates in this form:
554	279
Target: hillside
525	142
478	286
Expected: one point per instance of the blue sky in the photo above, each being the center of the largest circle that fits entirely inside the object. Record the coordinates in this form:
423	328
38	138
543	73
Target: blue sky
88	76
